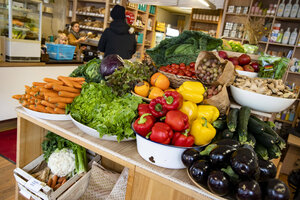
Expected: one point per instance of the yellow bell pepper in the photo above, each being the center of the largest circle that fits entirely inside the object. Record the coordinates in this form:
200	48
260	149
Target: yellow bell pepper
202	131
192	91
190	109
211	113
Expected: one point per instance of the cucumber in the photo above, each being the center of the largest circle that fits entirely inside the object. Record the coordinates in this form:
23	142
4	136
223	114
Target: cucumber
281	143
232	119
255	126
261	151
226	134
265	139
244	116
219	124
274	151
251	140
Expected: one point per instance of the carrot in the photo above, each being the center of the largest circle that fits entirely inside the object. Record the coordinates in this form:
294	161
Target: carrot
32	107
60	180
51	80
27	87
50	110
66	81
47	90
46	103
68	94
37	101
65	88
49	183
81	82
76	85
54	180
59	111
35	89
60	99
61	105
27	91
48	85
32	93
38	84
40	108
76	78
25	102
65	180
57	186
17	96
51	94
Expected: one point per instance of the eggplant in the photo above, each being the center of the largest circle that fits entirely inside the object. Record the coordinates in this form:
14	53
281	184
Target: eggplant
267	169
189	156
218	183
275	189
220	156
199	171
248	190
229	142
244	162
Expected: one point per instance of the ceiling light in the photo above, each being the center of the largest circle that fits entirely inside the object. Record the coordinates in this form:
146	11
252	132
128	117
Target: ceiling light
204	3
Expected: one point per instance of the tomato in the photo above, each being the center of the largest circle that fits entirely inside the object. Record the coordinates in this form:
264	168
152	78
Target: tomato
173	64
192	64
175	71
182	65
163	69
181	73
173	67
194	77
188	68
170	70
168	66
192	70
177	66
188	73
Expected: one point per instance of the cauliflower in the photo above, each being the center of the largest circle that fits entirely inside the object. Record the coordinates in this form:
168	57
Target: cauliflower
62	162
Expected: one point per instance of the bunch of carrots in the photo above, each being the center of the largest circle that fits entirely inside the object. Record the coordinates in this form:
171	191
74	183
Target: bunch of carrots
56	182
51	96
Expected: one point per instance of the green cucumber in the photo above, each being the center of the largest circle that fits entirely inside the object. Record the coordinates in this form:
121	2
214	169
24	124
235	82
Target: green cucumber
265	139
219	124
251	140
232	119
281	143
274	151
227	134
255	126
261	151
244	116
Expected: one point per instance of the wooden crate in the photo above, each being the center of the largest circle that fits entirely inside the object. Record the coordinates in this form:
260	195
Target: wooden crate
71	189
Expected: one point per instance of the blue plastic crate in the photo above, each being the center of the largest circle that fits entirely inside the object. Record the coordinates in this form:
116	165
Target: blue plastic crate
60	51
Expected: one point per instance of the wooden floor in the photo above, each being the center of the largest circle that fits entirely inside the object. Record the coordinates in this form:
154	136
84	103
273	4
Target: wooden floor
8	124
7	180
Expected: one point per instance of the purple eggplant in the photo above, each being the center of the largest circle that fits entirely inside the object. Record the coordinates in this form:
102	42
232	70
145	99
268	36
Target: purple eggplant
189	156
275	189
248	190
229	142
267	169
220	156
199	171
218	183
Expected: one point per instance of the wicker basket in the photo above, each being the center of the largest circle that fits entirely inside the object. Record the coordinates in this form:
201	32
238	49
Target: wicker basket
176	80
144	98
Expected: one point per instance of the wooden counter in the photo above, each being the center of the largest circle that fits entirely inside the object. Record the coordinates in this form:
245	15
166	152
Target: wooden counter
37	64
145	181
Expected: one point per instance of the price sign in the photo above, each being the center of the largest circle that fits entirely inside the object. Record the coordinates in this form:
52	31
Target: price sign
129	17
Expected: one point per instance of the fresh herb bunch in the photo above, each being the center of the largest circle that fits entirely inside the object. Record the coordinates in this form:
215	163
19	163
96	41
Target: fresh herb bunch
124	79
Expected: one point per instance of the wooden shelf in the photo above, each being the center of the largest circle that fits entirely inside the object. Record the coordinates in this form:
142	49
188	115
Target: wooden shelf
288	19
205	21
140	11
283	121
279	44
230	38
241	15
261	16
130	8
91	28
90	15
290	72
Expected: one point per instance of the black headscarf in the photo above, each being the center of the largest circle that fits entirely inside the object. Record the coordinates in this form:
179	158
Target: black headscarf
118	12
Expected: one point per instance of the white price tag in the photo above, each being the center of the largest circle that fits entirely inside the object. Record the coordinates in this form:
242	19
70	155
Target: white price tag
34	185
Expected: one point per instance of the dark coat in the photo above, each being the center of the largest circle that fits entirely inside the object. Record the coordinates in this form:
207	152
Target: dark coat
117	40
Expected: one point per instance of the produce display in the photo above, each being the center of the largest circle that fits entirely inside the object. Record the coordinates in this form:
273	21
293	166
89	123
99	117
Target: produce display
272	67
209	70
180	69
51	96
159	85
270	87
183	48
212	91
228	168
245	128
100	108
64	159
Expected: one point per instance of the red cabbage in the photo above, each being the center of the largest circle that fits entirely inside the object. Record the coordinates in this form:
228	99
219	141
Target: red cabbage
110	63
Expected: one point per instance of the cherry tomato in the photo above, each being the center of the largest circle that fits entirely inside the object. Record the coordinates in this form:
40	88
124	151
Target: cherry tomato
173	64
188	73
188	68
194	77
192	70
170	70
192	64
175	71
177	66
168	66
181	73
173	67
182	65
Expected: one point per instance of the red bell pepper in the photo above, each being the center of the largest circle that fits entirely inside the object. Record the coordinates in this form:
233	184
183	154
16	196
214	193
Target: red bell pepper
172	100
184	139
177	120
143	108
156	107
161	133
143	124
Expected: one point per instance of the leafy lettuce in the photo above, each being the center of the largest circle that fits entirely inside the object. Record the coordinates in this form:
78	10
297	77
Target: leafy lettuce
99	108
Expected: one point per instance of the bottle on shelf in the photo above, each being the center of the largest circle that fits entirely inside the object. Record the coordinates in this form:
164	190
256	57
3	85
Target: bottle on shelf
298	15
292	113
278	116
274	10
279	36
286	36
287	9
295	9
293	37
283	115
287	116
280	9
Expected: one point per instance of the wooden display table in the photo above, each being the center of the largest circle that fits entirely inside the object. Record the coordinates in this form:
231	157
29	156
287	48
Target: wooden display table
292	158
145	181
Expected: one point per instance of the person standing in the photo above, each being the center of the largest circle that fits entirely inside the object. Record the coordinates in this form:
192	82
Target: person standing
117	39
74	37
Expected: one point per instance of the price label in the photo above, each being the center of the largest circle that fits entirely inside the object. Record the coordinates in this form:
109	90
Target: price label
34	185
